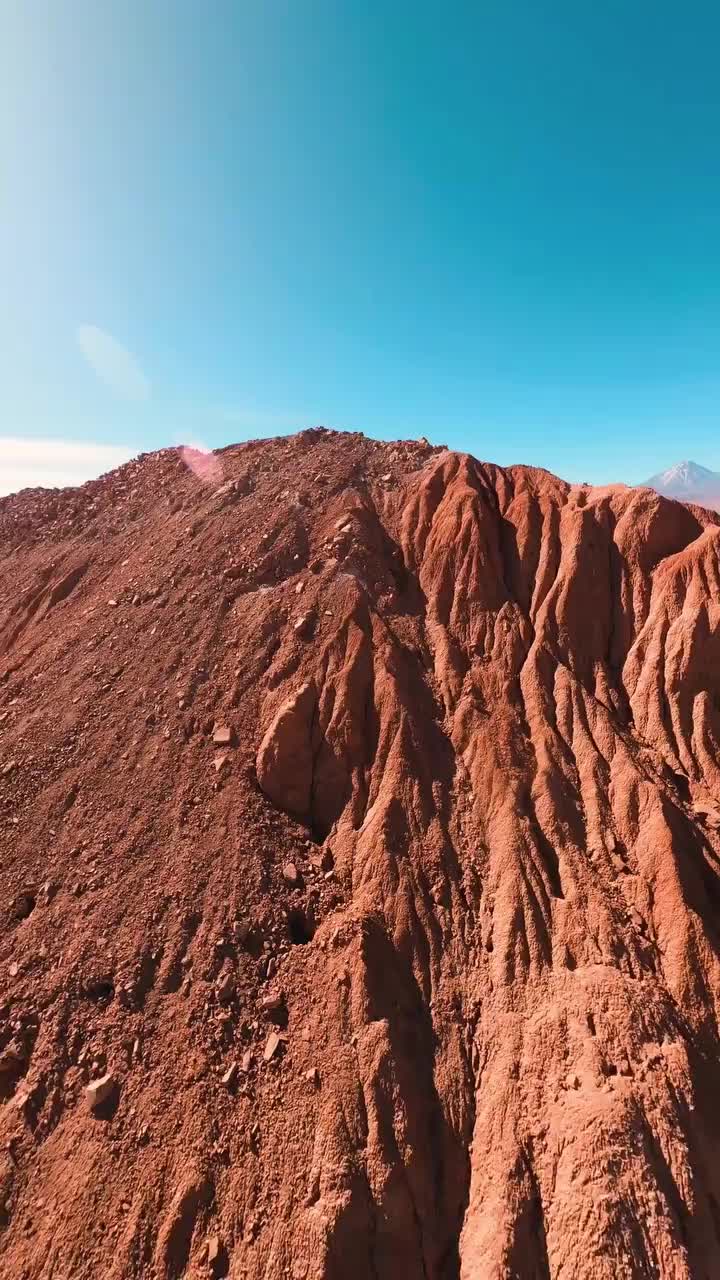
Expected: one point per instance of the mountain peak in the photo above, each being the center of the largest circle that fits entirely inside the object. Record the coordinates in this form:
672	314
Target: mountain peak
689	482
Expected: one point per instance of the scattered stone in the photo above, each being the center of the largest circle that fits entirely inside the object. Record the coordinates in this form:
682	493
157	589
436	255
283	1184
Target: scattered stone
223	735
386	477
272	1044
112	603
246	1061
291	875
99	1091
272	1003
9	768
226	988
303	626
220	762
313	1076
230	1075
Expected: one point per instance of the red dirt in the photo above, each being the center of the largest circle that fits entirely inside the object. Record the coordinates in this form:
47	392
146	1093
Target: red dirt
415	971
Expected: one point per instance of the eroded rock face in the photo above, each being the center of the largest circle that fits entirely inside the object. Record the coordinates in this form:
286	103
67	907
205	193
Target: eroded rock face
497	1050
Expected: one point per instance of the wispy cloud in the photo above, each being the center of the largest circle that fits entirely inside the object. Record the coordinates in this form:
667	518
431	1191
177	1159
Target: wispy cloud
113	363
55	463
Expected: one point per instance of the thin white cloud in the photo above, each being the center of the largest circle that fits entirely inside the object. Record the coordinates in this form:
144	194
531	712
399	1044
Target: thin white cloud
113	363
54	464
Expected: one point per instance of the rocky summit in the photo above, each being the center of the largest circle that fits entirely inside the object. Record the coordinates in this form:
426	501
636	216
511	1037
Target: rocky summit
360	835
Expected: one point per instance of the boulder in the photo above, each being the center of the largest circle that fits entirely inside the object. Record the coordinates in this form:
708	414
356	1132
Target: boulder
285	760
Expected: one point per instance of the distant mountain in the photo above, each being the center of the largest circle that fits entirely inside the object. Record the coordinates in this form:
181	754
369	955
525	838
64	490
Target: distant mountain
688	482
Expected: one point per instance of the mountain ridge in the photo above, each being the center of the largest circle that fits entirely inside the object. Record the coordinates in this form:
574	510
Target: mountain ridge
361	854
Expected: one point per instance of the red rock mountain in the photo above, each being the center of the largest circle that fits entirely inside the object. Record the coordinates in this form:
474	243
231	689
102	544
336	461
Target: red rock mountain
360	838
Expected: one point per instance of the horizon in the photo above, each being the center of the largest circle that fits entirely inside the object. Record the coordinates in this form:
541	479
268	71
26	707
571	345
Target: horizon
498	233
53	465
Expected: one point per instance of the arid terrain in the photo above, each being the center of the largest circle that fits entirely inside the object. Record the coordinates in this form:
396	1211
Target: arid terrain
360	837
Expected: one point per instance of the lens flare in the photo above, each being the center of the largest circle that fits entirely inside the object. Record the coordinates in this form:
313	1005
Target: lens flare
203	463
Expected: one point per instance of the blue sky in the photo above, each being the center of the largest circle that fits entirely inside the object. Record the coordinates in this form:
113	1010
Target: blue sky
494	224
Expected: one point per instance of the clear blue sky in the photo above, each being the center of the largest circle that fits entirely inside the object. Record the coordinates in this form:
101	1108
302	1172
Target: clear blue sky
495	224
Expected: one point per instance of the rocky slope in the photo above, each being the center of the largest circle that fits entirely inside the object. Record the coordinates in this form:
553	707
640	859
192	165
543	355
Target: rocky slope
361	871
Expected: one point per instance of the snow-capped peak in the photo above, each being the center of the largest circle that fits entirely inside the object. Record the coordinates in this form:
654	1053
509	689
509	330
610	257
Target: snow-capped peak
689	482
685	473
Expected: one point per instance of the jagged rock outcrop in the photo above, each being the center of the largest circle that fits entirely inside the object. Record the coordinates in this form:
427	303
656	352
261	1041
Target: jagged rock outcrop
285	758
478	711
